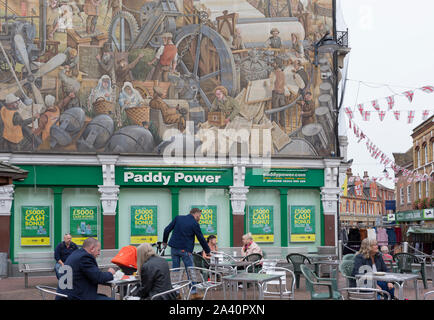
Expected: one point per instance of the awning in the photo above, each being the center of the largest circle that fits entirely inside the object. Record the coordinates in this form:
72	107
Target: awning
420	230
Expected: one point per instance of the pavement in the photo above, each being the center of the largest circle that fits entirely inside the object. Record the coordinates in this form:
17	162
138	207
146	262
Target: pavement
12	288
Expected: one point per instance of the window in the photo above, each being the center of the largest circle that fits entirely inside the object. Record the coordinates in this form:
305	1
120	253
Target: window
401	196
425	152
354	207
408	194
417	155
427	188
419	190
347	206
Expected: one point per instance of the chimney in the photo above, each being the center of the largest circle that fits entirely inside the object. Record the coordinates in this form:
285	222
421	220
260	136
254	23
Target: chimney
365	174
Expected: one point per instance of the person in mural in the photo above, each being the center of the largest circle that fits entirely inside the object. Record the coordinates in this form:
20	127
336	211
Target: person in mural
249	246
71	60
225	103
63	251
238	44
53	14
167	55
274	41
300	75
185	228
123	69
154	274
15	133
296	46
91	8
70	84
307	109
129	97
106	61
277	77
103	90
51	115
170	115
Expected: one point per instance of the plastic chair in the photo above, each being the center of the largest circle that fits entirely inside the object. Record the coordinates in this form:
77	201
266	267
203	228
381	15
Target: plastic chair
312	281
403	265
256	259
428	295
363	293
180	286
349	256
51	291
297	259
196	276
288	286
346	269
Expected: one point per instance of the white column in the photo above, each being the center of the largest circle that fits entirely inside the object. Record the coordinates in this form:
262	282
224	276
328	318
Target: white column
239	191
109	190
6	198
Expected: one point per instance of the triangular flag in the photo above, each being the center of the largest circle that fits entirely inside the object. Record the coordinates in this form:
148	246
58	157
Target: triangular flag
349	112
410	116
360	107
409	94
381	115
397	114
425	114
366	115
427	89
375	105
390	102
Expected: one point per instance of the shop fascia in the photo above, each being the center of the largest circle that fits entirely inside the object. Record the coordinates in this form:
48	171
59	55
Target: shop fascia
165	179
415	215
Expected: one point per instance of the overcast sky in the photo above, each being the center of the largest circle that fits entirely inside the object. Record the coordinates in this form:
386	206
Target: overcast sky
392	50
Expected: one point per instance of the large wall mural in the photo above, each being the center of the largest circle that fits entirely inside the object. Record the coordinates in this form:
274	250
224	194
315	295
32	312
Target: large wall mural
139	76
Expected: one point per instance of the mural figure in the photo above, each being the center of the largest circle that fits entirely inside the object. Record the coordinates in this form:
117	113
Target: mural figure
170	115
274	41
166	56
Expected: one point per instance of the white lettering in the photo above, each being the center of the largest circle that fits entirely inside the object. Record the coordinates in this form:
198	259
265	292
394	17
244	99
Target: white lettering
138	178
128	176
179	176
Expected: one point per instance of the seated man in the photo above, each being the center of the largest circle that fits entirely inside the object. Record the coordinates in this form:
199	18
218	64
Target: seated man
170	115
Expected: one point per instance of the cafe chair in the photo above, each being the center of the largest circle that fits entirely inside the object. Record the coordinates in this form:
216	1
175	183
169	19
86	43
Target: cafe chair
313	282
364	294
349	256
46	290
346	269
428	295
201	280
404	263
177	275
200	261
179	287
271	288
297	259
255	258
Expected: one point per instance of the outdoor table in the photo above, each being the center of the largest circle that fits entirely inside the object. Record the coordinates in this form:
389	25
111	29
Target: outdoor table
397	278
257	279
331	263
121	284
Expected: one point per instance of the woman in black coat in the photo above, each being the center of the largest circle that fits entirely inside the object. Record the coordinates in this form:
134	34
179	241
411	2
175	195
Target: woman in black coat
368	259
154	274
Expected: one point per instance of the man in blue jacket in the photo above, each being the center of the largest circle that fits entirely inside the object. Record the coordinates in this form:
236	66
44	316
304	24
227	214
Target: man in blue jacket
85	272
62	252
185	228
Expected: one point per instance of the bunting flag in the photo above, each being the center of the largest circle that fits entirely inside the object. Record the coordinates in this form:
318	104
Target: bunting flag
427	89
390	101
397	114
366	115
410	116
375	105
409	94
360	107
425	114
381	115
349	112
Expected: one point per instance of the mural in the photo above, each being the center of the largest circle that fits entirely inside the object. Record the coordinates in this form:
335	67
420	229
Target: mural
129	76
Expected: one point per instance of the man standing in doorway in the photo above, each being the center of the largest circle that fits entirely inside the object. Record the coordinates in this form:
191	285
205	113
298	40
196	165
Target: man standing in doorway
62	252
185	228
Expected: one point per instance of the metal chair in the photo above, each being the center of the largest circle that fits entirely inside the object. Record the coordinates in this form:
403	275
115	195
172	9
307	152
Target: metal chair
404	263
50	290
363	293
346	269
349	256
255	258
180	286
312	281
196	276
200	261
288	286
297	259
428	295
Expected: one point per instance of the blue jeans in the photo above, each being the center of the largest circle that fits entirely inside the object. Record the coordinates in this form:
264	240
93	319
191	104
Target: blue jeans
177	256
56	269
383	286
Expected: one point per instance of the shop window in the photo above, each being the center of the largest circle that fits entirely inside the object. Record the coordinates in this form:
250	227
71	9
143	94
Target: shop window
408	194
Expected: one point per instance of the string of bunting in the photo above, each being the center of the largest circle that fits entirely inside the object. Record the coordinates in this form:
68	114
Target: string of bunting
376	153
409	94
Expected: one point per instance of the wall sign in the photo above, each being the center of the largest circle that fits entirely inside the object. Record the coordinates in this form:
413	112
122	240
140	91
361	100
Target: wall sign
208	220
83	222
281	177
35	225
261	223
144	224
302	223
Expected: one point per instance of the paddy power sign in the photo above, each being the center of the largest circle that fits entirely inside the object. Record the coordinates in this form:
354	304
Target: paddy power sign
35	226
302	221
261	224
83	223
175	177
144	224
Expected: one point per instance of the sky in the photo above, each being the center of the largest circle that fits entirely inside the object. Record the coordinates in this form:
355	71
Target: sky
392	51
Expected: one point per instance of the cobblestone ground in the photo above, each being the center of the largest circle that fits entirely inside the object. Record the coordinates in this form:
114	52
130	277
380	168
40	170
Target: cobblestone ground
13	289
